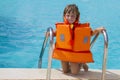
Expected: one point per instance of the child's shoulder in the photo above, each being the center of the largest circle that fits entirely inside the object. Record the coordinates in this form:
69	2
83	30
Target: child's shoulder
59	23
83	24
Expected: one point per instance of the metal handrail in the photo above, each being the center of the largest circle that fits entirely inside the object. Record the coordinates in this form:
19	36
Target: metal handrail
50	53
50	35
42	52
105	51
94	39
50	30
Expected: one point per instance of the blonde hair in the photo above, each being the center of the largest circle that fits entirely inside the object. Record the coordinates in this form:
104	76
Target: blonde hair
72	8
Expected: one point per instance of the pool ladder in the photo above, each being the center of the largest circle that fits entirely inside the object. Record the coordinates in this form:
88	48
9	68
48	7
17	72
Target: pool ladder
50	30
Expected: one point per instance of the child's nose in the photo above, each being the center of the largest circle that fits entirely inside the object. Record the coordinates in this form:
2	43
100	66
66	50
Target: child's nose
70	17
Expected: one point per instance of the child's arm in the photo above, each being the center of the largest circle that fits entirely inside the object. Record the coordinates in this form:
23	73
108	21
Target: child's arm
98	30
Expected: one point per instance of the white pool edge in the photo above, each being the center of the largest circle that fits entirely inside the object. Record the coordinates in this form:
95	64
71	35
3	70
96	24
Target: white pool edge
56	74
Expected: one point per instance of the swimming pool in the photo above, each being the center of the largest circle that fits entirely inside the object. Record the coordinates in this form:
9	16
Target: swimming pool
23	25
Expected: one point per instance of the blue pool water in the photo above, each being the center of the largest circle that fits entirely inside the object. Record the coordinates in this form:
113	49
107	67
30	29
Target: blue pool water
23	24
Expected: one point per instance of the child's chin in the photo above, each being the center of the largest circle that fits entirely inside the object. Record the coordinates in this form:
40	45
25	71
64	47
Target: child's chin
71	22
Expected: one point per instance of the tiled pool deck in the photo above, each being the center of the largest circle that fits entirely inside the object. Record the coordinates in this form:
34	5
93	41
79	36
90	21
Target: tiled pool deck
56	74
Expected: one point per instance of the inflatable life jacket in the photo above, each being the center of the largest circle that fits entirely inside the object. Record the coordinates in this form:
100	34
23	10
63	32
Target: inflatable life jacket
73	45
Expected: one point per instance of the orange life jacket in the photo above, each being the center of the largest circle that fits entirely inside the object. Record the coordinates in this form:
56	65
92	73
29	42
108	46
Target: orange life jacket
73	45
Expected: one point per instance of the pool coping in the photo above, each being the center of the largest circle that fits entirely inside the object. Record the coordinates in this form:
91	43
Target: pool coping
56	74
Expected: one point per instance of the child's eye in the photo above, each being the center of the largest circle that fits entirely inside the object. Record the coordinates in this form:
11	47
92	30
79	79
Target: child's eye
67	15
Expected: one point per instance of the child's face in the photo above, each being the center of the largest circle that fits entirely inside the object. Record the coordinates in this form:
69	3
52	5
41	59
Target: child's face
71	17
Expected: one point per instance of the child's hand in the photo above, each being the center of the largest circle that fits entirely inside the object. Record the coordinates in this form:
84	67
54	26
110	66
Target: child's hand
47	34
100	29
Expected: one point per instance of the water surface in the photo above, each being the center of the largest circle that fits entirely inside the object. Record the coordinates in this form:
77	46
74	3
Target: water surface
23	24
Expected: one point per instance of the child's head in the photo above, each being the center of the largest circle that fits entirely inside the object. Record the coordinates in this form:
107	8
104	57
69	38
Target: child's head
71	13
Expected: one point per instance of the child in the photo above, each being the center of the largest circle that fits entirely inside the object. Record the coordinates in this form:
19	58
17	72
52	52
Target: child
71	16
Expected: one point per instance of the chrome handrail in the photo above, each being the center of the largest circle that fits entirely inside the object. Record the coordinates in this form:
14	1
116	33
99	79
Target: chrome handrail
105	51
50	30
94	39
50	53
42	51
50	35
